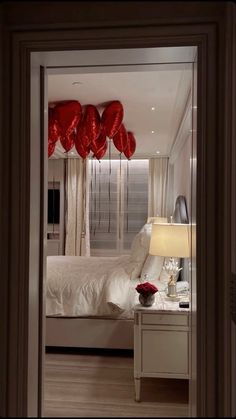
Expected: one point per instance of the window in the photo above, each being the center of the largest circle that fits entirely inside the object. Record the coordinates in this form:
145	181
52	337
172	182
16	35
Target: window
118	204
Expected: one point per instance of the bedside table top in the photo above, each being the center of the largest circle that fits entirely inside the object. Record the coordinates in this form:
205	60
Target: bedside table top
162	303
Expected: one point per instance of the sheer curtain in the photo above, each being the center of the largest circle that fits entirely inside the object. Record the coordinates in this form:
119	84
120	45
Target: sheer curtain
157	187
77	242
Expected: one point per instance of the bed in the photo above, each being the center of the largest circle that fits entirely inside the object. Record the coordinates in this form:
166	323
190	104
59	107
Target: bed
89	301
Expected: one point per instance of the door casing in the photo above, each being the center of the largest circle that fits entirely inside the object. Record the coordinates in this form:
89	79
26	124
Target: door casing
208	31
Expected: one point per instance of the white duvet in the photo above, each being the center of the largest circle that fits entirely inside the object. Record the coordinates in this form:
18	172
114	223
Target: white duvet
91	286
87	286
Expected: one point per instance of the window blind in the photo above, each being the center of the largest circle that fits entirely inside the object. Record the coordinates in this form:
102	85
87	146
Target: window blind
118	204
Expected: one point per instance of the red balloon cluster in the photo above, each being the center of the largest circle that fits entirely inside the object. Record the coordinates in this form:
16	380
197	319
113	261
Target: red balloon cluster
88	131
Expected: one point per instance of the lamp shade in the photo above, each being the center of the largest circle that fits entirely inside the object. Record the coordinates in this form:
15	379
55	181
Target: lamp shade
156	220
172	240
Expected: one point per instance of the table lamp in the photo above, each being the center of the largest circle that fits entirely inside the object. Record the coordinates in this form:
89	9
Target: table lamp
173	241
157	219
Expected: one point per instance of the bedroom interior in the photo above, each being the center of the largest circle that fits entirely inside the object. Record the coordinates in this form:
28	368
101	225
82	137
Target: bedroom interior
33	39
99	225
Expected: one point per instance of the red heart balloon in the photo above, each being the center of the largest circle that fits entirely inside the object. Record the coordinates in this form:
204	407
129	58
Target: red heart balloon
92	122
68	141
112	118
100	153
82	150
68	114
99	143
81	136
120	139
51	148
54	131
131	145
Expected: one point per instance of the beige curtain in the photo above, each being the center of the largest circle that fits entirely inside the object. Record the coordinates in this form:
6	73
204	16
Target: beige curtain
157	187
77	242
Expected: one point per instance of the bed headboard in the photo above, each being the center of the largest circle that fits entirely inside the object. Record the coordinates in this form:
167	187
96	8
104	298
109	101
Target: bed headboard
180	215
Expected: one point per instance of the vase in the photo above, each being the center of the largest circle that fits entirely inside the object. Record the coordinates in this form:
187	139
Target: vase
146	301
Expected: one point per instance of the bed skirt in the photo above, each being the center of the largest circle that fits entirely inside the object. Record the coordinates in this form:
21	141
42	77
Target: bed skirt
89	332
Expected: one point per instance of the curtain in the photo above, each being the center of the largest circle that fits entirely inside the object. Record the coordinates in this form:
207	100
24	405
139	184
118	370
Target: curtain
157	187
77	242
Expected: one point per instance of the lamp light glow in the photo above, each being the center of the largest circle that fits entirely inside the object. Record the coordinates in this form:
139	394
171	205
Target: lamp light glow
170	240
173	241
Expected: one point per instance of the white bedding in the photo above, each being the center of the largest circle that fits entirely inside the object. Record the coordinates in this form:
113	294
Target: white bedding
86	286
92	286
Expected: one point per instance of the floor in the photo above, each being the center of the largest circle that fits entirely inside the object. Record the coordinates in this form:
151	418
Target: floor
98	384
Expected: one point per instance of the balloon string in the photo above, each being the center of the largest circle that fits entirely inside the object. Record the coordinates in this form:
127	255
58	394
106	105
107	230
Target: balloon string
127	198
110	157
95	198
84	198
66	187
53	198
120	201
91	194
109	189
99	205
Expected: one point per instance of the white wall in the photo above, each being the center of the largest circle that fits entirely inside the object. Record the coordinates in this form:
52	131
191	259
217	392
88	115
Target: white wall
56	169
56	172
180	162
180	175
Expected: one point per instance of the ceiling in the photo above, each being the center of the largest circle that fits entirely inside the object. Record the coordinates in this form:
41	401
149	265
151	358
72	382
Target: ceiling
153	97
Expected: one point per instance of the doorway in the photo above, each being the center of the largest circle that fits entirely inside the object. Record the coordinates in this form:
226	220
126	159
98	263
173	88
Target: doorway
183	133
204	26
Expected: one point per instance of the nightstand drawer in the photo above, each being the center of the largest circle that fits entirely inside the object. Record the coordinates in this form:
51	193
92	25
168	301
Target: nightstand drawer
167	319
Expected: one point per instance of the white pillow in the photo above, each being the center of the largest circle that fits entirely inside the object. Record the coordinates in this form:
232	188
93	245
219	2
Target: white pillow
140	249
152	267
164	277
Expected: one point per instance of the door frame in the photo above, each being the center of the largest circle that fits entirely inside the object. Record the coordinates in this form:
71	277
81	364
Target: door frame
215	122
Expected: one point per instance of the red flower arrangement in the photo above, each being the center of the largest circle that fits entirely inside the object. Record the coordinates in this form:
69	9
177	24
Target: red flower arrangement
146	289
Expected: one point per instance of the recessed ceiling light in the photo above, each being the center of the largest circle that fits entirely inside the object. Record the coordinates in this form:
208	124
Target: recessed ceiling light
75	83
153	132
158	152
153	108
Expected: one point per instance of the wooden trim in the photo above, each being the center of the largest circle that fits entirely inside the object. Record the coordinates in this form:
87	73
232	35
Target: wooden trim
42	233
91	14
227	355
19	235
207	32
4	233
201	233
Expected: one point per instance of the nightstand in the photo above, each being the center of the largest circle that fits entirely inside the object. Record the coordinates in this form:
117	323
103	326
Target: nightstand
161	342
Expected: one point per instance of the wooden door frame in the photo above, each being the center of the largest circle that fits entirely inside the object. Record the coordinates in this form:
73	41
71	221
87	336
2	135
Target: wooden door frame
215	121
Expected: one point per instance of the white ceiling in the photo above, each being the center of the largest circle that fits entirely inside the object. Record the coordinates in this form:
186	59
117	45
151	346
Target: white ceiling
140	88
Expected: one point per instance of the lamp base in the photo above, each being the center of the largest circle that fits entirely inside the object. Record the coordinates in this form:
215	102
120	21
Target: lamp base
176	298
171	293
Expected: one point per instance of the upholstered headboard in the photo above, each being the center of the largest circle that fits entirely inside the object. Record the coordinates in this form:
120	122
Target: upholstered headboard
180	214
